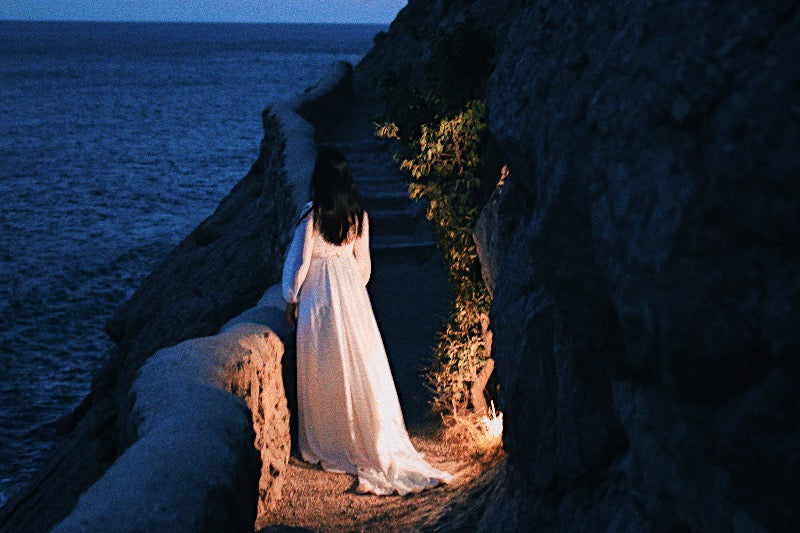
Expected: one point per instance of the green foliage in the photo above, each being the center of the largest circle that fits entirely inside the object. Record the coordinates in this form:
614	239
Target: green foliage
443	167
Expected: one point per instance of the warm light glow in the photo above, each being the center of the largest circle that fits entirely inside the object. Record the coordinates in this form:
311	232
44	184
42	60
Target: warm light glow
493	424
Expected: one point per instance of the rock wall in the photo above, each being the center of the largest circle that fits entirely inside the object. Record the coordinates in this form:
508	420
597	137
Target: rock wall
645	258
219	271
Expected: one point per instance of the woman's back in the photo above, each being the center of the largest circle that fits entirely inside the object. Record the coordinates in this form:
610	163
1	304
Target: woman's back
323	248
349	417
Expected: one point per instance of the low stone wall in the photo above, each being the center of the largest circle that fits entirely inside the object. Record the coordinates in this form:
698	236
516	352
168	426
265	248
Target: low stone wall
194	467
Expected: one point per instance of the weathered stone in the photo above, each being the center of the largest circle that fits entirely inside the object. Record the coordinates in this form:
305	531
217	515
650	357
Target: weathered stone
193	466
326	103
258	379
644	257
488	234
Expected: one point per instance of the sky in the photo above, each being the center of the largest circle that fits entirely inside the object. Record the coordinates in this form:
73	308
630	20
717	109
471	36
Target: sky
343	11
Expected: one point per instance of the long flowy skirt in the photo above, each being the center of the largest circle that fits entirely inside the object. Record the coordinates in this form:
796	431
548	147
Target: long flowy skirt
349	414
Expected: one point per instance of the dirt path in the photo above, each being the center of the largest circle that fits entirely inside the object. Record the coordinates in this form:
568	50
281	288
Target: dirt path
409	294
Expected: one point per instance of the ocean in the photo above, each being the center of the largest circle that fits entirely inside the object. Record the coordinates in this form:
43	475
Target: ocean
116	140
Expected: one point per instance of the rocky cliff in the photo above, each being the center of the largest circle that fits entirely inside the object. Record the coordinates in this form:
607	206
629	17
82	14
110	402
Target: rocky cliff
644	253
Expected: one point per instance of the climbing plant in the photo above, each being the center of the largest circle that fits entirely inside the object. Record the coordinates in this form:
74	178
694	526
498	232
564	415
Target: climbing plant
443	164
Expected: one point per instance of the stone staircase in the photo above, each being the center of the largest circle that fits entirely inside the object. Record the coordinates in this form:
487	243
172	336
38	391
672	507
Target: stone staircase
397	223
408	287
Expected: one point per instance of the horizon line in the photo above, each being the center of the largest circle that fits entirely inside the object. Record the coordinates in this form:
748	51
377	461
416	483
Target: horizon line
160	21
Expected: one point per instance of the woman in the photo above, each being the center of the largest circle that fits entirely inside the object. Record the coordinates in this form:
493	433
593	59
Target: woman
349	417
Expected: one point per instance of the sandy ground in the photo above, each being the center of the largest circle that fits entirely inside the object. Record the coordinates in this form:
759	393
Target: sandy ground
320	501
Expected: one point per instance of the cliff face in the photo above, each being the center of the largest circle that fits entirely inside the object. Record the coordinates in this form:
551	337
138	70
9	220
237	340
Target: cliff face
645	256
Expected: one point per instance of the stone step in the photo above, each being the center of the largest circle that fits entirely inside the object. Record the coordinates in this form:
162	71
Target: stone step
372	189
361	150
394	222
389	202
362	176
403	246
370	146
361	162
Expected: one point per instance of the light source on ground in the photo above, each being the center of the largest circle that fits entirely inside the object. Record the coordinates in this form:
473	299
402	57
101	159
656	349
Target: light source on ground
493	424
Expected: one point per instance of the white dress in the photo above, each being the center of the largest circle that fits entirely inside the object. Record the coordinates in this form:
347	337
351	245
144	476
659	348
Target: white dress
349	417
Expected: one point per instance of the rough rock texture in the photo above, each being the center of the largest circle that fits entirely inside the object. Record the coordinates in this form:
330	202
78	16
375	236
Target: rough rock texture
193	466
220	270
645	258
261	384
488	237
326	103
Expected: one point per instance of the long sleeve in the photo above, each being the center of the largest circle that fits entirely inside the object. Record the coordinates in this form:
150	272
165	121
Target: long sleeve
361	251
298	260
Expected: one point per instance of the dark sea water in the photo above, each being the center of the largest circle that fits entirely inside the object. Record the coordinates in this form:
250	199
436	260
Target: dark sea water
116	139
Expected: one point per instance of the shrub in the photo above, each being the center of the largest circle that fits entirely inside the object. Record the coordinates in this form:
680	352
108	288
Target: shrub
443	165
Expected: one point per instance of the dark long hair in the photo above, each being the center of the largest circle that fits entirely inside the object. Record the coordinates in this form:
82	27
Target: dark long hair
337	206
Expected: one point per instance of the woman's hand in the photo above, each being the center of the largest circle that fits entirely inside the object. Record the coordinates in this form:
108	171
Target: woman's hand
291	314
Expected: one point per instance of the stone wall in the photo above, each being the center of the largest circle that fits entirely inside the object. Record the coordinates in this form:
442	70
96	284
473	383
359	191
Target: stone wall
645	258
193	466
